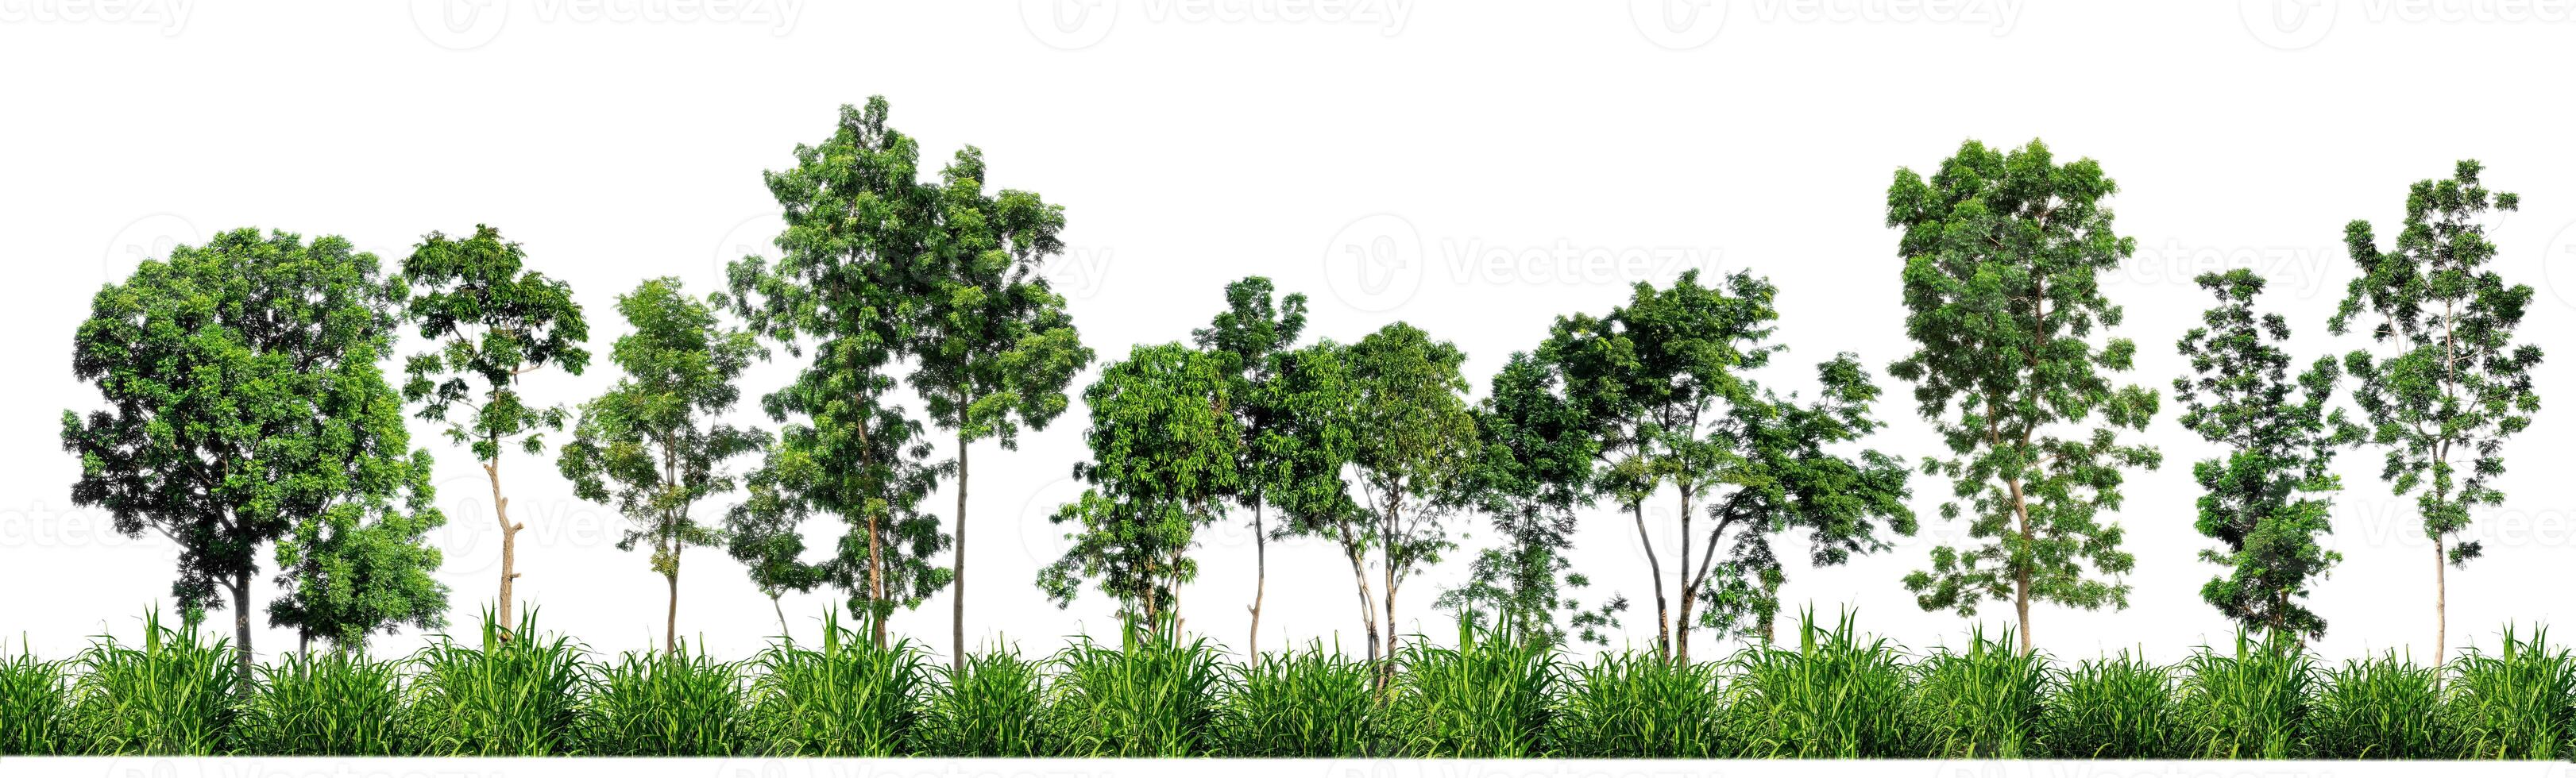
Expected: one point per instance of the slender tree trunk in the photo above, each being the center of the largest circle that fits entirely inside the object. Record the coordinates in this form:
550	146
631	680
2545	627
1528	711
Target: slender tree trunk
1395	516
1260	581
2441	594
671	616
509	542
241	631
876	586
1689	585
957	586
1368	606
1655	572
783	636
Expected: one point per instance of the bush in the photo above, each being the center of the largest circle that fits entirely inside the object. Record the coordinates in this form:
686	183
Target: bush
2385	708
2517	704
336	703
849	698
1489	698
35	703
174	695
995	706
1835	696
517	695
2113	708
659	703
1306	703
1636	705
1981	704
2248	704
1154	696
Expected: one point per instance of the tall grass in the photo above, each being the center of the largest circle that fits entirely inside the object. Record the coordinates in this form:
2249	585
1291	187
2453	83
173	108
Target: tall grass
848	697
172	695
2384	708
2119	707
2247	704
1834	696
330	704
1982	703
1636	705
661	703
517	695
993	706
1309	703
35	704
1491	697
1154	696
2518	703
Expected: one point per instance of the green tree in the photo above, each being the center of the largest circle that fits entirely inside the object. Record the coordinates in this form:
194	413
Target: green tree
1533	470
1251	336
763	535
1163	452
652	444
2269	498
247	405
997	347
853	270
1316	396
493	322
2002	249
1413	440
2449	382
1669	378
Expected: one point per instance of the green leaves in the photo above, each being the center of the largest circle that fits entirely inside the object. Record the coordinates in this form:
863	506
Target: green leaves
1164	449
2279	445
492	321
2001	250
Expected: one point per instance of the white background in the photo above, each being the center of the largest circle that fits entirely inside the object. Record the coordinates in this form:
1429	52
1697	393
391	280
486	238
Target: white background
1194	144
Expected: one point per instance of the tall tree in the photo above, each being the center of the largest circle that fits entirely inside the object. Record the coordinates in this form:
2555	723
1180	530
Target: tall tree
246	405
1250	338
1413	442
493	322
2449	384
851	275
2001	250
1163	452
2269	497
763	534
997	347
1317	398
1533	469
652	445
1670	377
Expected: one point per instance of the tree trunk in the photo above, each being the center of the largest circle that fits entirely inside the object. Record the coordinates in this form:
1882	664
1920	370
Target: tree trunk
876	586
671	616
1368	608
1260	582
1655	572
241	631
2021	570
2441	593
957	586
783	637
1690	582
509	543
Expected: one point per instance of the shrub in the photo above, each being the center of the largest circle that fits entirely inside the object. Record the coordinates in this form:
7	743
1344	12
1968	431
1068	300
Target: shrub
660	703
174	695
1636	705
517	695
2385	708
1984	703
2517	704
1309	703
336	703
1834	696
2112	708
1489	698
1154	696
995	706
850	697
2248	704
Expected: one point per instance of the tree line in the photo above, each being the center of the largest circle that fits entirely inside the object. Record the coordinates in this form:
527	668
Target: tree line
247	405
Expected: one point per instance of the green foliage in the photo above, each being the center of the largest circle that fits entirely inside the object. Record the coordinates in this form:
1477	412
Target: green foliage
667	703
2517	703
1837	695
333	703
512	694
176	694
1154	696
993	704
654	438
1490	697
35	706
2002	250
1532	469
2383	708
850	283
1252	338
1413	440
1309	703
1164	446
2279	448
2449	379
247	406
2118	707
2249	704
846	697
493	321
1637	705
1984	703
